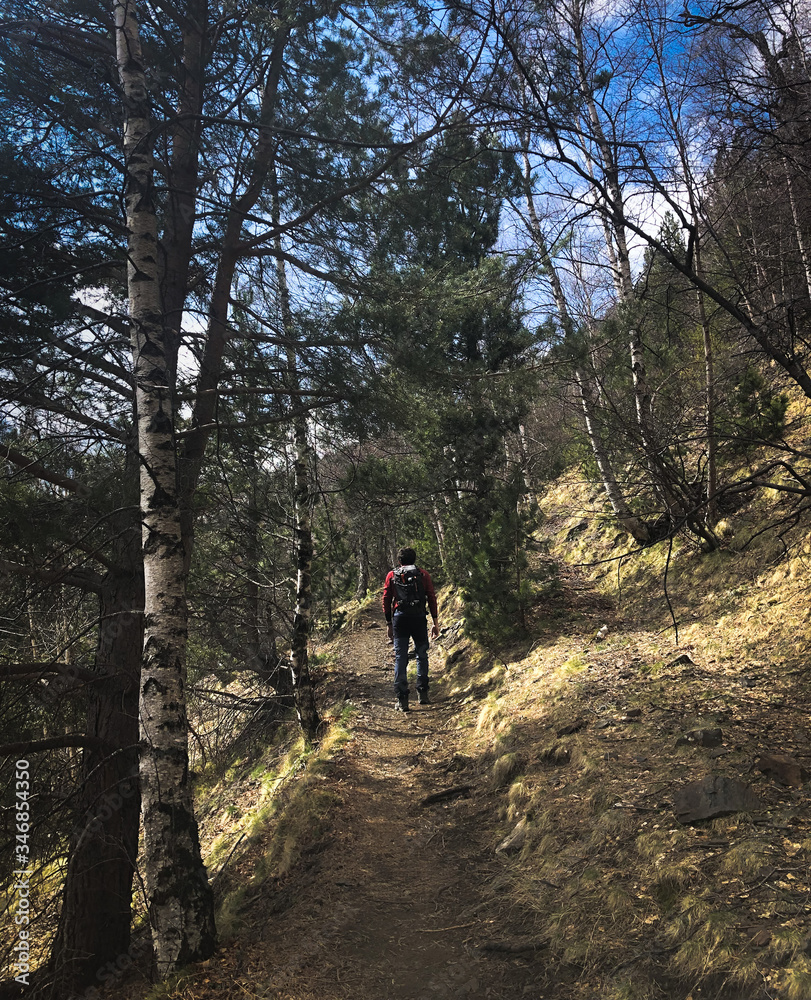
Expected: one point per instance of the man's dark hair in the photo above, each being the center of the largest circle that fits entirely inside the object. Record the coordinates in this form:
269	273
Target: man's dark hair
407	557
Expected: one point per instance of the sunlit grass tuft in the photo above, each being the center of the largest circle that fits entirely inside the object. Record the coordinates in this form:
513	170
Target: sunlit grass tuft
489	715
504	769
518	798
796	981
746	858
787	942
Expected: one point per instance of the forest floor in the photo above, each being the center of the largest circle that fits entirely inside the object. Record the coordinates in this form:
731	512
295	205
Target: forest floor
388	903
391	905
557	867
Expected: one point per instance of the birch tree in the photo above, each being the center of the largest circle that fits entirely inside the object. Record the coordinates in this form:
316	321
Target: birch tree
584	376
181	902
580	86
204	124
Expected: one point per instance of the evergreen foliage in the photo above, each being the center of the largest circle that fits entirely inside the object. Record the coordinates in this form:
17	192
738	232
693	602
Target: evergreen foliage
411	267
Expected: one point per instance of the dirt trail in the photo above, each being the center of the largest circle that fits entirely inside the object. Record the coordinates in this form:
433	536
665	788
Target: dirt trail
393	907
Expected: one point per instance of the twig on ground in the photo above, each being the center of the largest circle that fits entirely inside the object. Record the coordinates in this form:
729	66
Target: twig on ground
512	947
231	854
448	793
439	930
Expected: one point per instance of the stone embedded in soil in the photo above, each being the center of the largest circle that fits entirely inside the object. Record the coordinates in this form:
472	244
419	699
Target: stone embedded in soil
680	660
783	768
702	738
514	841
712	796
576	529
571	729
456	655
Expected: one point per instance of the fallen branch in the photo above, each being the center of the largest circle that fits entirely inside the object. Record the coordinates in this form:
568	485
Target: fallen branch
448	793
514	947
439	930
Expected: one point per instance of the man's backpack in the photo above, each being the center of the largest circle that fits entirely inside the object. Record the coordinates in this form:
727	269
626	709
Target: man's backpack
410	589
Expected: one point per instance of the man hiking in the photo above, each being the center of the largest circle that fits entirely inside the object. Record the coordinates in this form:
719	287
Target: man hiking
406	593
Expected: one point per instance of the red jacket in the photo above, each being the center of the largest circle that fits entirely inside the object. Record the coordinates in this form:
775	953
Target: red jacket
390	595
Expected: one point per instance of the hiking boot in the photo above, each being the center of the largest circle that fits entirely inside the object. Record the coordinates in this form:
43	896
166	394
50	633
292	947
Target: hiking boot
402	703
423	697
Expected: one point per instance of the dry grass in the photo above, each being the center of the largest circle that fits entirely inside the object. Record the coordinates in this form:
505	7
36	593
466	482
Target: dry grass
633	904
278	807
578	738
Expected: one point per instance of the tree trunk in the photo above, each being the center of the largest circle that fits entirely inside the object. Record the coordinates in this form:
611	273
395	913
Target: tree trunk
362	588
255	638
181	909
302	621
711	516
525	460
439	531
182	189
299	653
683	147
626	519
799	229
589	404
218	331
92	941
614	224
262	653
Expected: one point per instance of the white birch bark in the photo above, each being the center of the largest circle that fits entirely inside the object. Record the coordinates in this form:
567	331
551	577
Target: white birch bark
799	230
439	532
589	403
617	242
180	899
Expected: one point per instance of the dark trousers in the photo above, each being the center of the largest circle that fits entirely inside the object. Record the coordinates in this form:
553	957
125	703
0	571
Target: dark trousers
405	627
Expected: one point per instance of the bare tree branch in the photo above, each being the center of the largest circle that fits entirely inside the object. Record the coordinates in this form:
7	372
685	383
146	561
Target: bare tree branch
72	576
78	740
36	469
29	671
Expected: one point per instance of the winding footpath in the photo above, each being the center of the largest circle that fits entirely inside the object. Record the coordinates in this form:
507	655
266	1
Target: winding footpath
393	908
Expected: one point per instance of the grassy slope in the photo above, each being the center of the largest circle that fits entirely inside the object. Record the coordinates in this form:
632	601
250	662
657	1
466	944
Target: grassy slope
632	903
574	742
